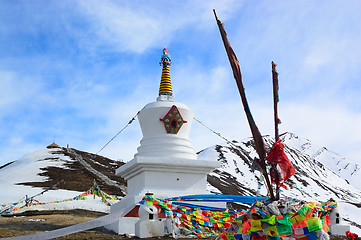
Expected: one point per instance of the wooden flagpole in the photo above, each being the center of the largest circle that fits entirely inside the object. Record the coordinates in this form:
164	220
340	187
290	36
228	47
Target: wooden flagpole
259	143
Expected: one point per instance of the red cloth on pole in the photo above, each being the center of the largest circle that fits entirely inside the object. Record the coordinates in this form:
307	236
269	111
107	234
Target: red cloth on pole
277	155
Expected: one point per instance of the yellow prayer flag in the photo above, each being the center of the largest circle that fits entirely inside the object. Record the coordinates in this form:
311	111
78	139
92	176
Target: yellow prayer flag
299	218
256	225
271	231
311	205
271	220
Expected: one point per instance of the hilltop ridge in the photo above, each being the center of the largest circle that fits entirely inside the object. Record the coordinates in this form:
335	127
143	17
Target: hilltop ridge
70	172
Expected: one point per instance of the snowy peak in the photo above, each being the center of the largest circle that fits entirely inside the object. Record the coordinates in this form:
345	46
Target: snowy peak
302	144
31	167
70	172
62	168
340	165
313	181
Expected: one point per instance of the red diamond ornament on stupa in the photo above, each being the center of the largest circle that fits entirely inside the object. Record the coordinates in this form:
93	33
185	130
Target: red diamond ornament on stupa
173	120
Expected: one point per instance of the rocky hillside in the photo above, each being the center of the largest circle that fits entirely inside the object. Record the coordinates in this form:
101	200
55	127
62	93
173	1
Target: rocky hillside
69	172
63	168
342	166
313	181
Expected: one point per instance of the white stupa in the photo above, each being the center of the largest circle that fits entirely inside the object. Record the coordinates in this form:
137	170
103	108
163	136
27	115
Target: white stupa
165	163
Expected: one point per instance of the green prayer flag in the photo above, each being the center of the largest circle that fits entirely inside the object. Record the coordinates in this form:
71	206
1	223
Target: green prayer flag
313	224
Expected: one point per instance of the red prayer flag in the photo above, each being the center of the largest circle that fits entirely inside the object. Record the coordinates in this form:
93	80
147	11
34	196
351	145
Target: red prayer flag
277	155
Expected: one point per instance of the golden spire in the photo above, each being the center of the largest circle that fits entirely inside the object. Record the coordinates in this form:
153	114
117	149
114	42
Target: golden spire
165	83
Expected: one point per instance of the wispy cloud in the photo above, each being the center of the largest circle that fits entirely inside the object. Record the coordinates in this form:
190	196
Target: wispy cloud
129	27
76	72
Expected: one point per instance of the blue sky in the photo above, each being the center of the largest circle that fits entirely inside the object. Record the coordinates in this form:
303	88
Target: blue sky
75	72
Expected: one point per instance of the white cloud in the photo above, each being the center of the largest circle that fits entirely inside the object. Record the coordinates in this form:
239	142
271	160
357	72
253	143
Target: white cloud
16	89
138	27
125	28
82	86
334	127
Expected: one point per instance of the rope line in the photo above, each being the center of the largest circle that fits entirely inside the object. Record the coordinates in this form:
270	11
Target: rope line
29	200
218	134
228	141
130	121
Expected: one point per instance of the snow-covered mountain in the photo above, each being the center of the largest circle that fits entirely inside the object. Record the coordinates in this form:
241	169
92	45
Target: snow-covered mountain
313	181
65	173
345	168
320	175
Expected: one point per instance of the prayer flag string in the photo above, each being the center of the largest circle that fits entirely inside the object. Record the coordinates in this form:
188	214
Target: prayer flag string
263	220
27	202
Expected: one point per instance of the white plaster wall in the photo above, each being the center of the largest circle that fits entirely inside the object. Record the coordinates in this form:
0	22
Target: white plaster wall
156	142
162	175
167	183
165	164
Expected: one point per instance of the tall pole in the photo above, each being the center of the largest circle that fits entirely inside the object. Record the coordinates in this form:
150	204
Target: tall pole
275	99
276	120
259	143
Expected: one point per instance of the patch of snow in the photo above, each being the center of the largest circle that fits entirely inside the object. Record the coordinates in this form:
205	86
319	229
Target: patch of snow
36	220
27	168
345	168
